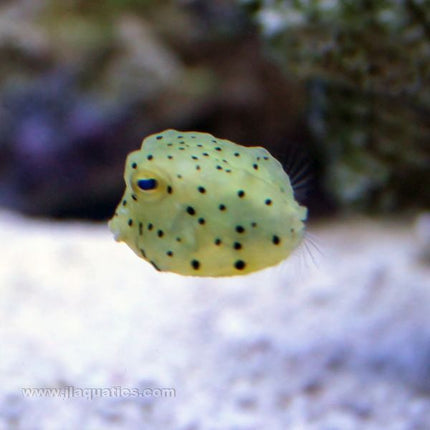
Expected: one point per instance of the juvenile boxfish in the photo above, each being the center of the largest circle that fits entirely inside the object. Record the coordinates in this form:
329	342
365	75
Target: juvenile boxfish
198	205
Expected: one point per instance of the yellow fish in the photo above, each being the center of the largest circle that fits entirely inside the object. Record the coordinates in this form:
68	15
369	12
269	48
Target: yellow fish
202	206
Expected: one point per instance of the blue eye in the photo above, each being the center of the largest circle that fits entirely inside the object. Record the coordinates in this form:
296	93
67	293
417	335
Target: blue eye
147	184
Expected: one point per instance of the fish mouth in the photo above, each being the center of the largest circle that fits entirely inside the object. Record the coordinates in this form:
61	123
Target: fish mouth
114	228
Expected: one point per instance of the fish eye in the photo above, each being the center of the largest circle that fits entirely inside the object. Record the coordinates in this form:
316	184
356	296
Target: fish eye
147	184
151	185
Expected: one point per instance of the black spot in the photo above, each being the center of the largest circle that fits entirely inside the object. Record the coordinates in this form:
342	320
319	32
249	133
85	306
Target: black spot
292	230
169	253
159	137
266	158
133	165
160	233
182	142
239	265
194	157
217	241
241	193
228	170
170	157
201	221
179	137
213	140
236	154
140	229
254	224
205	154
170	144
201	189
276	240
195	264
130	222
150	226
178	239
142	252
149	157
255	166
222	207
218	167
200	145
258	158
134	197
169	189
181	148
124	202
197	167
179	176
268	202
240	229
155	266
191	210
193	137
237	245
218	148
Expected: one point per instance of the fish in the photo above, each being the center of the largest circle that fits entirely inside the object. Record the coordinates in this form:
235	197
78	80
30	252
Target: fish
197	205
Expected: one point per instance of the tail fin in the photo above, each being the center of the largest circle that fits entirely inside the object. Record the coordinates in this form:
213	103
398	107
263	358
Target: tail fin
298	167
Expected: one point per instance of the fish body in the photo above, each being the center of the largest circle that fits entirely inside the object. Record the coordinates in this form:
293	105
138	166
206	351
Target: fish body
202	206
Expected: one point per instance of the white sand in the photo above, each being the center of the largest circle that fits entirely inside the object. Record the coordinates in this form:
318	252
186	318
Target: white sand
346	346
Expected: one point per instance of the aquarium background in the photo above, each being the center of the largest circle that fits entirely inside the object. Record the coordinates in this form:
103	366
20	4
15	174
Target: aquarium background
343	85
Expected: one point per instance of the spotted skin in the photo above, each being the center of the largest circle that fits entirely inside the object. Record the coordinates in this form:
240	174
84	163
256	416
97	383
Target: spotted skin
202	206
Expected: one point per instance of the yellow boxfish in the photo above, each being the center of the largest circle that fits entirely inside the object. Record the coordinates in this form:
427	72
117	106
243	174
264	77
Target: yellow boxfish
202	206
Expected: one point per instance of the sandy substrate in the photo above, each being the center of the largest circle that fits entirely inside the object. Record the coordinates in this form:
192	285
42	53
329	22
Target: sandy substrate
344	346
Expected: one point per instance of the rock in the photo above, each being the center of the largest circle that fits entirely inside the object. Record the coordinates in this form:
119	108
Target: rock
365	65
80	89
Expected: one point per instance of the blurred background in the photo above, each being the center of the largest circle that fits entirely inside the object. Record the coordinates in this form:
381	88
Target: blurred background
338	341
346	83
